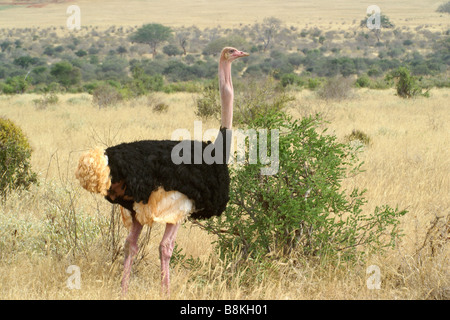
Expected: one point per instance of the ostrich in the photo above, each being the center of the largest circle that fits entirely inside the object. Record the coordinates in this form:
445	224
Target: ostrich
149	187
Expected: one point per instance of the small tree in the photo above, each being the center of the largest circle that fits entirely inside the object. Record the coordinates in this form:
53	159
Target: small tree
268	30
208	102
66	73
261	96
152	34
302	208
183	38
406	85
25	61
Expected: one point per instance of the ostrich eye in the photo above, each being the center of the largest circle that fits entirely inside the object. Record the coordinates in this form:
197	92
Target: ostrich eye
232	50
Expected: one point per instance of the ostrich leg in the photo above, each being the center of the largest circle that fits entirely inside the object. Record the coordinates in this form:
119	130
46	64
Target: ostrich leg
165	253
130	249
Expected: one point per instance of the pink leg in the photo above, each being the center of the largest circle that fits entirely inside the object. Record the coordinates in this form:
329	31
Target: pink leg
165	253
130	250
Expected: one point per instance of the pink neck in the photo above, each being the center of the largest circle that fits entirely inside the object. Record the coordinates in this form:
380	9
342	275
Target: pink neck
226	93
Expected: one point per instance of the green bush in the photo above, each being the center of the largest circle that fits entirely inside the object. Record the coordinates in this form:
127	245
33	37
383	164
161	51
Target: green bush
208	103
406	85
66	73
187	86
91	86
302	209
142	84
374	72
16	84
112	67
15	154
444	8
380	84
172	50
314	83
81	53
259	97
407	42
160	107
363	82
55	87
291	79
106	95
358	135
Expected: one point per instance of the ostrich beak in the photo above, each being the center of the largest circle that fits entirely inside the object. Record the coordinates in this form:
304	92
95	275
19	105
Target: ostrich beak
240	54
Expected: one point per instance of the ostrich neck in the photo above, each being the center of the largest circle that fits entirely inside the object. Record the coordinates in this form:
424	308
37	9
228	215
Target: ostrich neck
226	93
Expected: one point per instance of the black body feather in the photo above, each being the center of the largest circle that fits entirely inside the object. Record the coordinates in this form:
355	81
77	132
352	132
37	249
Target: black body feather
146	165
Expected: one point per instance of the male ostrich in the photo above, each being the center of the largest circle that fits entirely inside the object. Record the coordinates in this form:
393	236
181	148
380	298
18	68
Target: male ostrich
144	180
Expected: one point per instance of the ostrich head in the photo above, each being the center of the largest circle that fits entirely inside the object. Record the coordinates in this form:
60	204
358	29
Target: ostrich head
230	54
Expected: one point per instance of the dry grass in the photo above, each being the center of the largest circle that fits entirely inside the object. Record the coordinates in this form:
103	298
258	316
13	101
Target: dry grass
407	164
210	13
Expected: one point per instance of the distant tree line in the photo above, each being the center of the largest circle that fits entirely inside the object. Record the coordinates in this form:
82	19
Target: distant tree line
153	57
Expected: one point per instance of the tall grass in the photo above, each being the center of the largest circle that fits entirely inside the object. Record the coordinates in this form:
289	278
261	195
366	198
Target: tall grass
57	224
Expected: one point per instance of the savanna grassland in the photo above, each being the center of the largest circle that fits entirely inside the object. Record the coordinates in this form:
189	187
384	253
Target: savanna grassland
406	165
56	224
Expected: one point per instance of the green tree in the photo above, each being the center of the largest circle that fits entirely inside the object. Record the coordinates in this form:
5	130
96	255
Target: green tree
152	34
406	85
183	38
25	61
17	84
268	30
15	153
302	208
66	73
143	83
